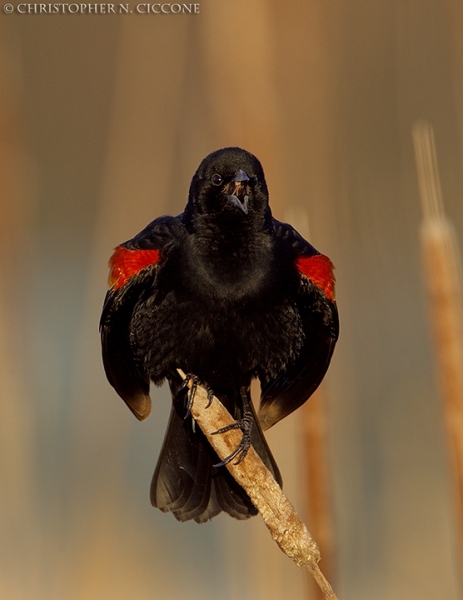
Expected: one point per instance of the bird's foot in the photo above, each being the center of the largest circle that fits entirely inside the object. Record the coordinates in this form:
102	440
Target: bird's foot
192	392
245	424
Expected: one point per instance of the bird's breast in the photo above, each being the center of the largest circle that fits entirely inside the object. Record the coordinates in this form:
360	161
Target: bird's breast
230	268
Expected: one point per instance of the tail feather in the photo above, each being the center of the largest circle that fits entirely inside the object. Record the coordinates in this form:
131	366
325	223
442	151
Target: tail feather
185	481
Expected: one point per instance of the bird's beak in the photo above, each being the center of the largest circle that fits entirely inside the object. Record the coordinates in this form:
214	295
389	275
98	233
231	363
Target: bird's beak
237	187
240	176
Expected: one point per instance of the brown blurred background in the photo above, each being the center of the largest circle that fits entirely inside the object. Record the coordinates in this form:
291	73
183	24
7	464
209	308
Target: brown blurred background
103	120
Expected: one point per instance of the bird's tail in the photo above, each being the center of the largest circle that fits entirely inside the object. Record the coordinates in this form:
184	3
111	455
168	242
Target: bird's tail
185	481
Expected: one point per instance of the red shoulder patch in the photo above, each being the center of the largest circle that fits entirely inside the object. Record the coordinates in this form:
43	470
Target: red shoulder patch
125	263
319	269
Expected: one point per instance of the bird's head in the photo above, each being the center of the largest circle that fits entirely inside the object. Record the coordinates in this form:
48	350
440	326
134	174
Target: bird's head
229	185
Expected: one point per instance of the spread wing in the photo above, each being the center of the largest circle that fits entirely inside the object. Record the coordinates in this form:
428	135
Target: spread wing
133	273
319	315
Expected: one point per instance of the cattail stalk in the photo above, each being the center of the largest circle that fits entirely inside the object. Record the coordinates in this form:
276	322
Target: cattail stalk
319	505
314	433
443	280
285	526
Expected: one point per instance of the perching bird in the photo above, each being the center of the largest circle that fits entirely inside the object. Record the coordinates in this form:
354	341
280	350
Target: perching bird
227	293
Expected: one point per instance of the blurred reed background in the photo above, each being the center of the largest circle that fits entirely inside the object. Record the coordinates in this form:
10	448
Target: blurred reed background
103	120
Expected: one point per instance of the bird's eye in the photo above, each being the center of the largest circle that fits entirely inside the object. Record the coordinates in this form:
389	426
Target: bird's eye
216	179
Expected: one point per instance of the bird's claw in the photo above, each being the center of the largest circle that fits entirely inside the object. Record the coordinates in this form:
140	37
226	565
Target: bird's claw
192	392
210	395
245	424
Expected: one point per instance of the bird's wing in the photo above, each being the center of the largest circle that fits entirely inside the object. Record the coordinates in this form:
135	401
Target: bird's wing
317	308
133	271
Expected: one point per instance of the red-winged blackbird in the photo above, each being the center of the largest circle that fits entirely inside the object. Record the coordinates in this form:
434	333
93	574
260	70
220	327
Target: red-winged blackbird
227	293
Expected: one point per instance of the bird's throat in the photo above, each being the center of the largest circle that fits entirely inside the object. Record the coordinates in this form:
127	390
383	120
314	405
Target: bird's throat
234	263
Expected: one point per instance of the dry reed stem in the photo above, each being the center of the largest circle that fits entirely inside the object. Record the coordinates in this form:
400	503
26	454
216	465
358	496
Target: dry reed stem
318	478
443	273
285	526
314	435
244	110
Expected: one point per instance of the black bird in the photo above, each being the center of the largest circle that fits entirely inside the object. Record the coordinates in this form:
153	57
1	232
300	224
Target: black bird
227	293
